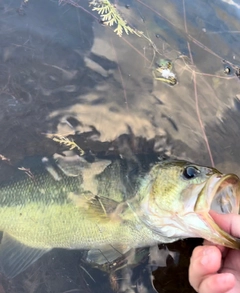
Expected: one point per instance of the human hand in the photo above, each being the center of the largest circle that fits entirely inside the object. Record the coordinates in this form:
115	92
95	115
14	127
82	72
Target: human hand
216	269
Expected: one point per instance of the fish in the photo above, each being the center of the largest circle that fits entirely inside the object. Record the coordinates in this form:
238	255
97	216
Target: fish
108	206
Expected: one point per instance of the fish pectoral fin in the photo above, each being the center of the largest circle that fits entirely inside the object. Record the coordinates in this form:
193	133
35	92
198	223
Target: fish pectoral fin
107	254
103	205
101	209
15	257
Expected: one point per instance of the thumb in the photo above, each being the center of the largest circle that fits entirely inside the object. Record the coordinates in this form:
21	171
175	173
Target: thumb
228	222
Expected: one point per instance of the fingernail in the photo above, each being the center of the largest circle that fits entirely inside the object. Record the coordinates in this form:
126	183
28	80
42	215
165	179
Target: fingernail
206	255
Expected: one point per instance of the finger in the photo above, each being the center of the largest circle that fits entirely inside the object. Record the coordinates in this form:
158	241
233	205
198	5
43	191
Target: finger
228	222
205	261
217	283
223	249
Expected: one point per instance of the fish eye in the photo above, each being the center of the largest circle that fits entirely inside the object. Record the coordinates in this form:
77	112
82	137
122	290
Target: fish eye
190	172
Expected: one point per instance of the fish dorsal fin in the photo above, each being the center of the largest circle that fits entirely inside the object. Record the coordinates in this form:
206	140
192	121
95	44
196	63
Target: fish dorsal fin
107	254
15	257
51	170
71	165
89	175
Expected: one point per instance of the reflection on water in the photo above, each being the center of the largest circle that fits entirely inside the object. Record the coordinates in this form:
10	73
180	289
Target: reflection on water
63	72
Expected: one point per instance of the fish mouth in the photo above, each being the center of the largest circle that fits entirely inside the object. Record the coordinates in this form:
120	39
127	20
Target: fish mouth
222	194
224	197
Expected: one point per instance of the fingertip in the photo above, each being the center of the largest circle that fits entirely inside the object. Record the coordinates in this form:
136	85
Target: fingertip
226	280
218	283
220	247
211	259
205	260
197	252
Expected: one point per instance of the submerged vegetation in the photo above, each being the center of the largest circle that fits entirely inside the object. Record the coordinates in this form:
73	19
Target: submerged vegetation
110	16
64	140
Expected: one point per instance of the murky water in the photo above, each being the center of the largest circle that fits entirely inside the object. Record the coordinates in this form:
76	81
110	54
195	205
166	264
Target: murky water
63	72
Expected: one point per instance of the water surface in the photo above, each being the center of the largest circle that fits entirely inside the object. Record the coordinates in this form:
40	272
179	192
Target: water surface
63	72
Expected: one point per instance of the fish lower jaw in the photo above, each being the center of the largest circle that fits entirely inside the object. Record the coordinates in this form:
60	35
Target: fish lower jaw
170	229
203	226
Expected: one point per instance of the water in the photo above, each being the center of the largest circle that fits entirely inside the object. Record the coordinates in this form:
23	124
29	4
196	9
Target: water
63	72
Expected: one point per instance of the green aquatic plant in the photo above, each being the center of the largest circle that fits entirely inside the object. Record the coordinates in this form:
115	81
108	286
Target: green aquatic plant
63	140
110	16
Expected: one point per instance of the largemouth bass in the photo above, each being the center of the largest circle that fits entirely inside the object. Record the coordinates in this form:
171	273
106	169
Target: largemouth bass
109	207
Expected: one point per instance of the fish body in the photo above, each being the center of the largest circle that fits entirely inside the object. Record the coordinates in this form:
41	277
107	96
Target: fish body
109	207
46	212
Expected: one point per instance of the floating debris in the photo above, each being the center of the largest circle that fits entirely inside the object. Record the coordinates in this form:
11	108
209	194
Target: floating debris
27	171
3	158
163	72
227	70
